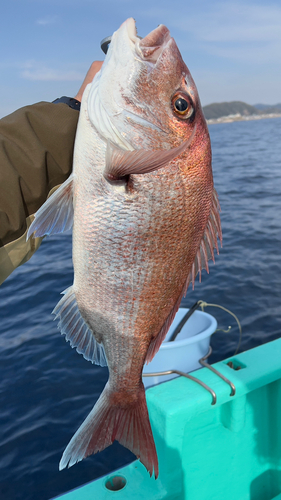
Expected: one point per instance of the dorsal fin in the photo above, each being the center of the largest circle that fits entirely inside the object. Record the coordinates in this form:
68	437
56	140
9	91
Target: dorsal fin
204	253
155	344
209	241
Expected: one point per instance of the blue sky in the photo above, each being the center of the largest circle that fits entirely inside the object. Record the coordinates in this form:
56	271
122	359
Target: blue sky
232	48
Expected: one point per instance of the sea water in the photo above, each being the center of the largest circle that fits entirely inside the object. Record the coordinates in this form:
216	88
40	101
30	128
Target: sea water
47	389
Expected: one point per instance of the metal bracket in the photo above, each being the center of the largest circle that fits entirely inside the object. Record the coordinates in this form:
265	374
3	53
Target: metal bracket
186	375
203	362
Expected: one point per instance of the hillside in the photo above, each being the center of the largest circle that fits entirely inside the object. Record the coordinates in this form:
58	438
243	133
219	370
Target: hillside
219	109
219	112
268	107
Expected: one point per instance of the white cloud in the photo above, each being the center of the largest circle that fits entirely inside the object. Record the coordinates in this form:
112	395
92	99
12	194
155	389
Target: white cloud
238	22
47	20
38	71
234	29
222	86
224	21
258	54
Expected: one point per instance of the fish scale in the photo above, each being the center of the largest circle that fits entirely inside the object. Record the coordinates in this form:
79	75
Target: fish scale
145	222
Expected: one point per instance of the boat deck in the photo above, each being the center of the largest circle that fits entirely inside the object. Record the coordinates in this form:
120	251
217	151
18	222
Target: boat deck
228	450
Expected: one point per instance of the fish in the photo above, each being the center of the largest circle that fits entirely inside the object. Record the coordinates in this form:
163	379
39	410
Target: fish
146	220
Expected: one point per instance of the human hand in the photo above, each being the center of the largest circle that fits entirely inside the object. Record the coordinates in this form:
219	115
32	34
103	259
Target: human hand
94	68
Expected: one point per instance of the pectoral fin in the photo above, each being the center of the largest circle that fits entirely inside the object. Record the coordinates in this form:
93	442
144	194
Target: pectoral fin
120	163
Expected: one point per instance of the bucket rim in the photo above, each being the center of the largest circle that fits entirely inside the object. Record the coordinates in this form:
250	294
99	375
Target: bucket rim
195	338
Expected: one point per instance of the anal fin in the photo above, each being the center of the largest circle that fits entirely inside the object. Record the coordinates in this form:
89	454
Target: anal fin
76	331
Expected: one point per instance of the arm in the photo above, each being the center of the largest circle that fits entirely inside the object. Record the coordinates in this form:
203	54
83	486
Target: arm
36	149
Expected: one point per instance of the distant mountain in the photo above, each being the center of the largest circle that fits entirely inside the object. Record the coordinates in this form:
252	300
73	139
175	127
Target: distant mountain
220	109
263	107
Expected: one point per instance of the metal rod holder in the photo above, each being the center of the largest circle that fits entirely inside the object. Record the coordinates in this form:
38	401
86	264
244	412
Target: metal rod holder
186	375
203	362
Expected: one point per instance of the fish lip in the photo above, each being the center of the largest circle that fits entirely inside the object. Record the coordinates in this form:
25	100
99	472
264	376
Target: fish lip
152	45
131	29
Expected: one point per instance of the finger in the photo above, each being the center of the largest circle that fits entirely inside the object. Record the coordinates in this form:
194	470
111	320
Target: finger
93	70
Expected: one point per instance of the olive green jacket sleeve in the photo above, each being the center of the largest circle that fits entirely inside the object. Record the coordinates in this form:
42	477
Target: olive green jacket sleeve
36	150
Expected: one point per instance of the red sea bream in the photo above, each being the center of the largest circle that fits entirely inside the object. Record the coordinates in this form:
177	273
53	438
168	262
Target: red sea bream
145	221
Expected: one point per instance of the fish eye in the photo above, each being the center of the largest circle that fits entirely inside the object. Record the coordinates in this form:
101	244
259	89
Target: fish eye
182	105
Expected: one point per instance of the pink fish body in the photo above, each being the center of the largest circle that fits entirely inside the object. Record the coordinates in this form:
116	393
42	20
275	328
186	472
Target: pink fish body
145	221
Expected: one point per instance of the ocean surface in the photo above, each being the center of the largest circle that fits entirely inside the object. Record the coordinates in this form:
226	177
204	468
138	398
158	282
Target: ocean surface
47	389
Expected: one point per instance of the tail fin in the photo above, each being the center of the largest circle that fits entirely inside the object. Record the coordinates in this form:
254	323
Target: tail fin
127	424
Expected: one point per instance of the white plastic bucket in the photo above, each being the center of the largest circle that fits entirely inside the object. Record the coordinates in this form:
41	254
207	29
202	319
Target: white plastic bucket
183	354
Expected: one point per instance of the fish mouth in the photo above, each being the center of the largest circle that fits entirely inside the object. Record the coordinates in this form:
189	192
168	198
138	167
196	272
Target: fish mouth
151	47
125	48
